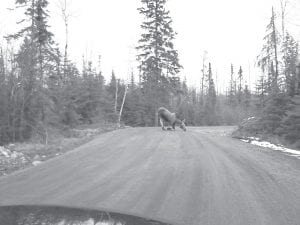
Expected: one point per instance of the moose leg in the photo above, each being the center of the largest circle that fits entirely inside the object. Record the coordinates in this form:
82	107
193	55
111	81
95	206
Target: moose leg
173	126
161	124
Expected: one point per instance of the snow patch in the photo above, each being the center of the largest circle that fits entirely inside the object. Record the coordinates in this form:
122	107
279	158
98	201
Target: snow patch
14	155
35	163
10	154
265	144
5	152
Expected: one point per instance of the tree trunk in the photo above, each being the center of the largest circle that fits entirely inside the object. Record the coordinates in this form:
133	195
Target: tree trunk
203	77
121	110
116	96
156	116
297	80
66	22
275	50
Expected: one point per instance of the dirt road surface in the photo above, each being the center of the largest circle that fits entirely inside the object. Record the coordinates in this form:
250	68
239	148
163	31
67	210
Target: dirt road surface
201	176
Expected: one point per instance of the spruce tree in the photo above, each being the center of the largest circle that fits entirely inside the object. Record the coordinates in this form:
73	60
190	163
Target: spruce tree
232	88
276	102
157	57
247	98
290	126
268	59
211	100
290	56
261	91
42	59
240	83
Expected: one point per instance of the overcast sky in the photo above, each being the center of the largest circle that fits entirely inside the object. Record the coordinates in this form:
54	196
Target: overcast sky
230	31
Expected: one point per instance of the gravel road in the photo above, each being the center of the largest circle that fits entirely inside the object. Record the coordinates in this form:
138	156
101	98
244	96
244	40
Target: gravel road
202	176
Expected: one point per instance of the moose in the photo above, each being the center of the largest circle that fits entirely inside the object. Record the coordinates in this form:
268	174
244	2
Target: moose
165	115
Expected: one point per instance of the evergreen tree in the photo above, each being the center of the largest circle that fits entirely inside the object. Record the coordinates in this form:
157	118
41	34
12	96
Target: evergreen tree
184	99
274	111
268	59
111	88
290	126
247	99
210	104
203	78
290	56
157	56
261	91
240	83
38	47
69	97
232	88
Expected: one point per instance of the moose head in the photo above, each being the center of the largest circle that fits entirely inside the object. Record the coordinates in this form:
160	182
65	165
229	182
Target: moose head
171	118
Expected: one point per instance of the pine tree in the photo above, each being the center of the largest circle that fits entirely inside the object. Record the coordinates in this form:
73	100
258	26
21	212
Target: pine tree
290	56
203	78
247	98
290	126
274	111
261	91
37	31
42	59
91	103
69	97
112	84
30	95
240	83
184	99
210	104
268	60
157	56
232	88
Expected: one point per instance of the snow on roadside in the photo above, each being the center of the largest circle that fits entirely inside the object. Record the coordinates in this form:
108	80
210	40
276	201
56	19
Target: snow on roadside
5	152
265	144
9	154
9	160
35	163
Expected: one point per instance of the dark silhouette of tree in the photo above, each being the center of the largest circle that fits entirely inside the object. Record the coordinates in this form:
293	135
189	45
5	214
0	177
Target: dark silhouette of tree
157	57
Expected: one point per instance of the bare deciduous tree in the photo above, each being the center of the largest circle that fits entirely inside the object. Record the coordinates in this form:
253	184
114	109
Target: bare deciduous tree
122	106
66	14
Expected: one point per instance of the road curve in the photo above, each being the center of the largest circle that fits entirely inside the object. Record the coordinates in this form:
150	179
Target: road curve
201	176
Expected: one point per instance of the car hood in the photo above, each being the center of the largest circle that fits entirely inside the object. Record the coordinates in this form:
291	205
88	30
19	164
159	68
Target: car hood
58	215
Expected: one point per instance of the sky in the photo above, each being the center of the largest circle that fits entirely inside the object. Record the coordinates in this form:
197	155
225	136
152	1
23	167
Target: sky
229	31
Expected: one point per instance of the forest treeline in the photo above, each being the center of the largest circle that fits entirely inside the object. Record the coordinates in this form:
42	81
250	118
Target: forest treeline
41	89
277	113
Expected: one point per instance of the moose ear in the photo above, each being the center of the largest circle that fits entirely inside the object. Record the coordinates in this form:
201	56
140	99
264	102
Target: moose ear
183	120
